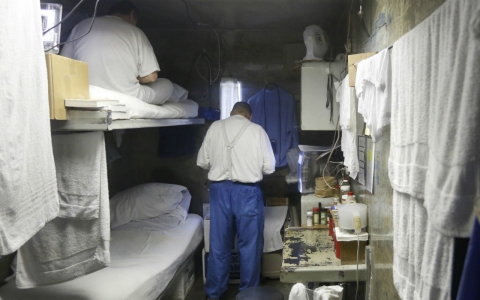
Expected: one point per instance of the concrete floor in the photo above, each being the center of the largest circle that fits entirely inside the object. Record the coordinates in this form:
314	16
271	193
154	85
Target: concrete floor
198	291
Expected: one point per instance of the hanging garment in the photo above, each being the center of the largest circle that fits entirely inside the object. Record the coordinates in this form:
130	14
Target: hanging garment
373	86
469	287
274	110
28	186
435	141
77	242
348	123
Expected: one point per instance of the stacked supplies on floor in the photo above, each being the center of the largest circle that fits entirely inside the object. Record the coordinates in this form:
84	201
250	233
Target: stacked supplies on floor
434	165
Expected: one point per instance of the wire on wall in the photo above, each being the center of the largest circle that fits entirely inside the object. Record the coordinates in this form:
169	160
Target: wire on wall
210	81
65	18
91	25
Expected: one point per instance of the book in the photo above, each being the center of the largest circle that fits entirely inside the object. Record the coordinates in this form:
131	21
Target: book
94	114
115	108
89	103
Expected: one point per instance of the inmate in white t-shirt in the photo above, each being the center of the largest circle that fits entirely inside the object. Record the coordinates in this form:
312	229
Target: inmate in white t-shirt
117	53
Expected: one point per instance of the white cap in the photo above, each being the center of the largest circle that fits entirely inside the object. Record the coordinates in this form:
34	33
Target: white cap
309	213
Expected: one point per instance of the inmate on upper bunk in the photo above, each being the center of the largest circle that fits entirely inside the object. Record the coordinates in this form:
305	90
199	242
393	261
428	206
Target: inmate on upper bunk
119	55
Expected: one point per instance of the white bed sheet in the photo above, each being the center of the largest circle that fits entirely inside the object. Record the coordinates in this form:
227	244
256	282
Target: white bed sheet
137	109
143	263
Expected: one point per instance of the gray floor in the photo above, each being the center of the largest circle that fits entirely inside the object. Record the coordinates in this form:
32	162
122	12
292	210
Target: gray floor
198	291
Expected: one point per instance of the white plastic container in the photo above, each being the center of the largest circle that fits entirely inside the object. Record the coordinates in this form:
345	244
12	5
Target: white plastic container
347	212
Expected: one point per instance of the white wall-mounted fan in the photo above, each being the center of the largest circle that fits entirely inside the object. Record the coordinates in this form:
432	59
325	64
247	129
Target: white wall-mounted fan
316	42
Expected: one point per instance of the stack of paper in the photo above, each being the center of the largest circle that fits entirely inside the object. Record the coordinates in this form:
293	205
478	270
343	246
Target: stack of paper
119	111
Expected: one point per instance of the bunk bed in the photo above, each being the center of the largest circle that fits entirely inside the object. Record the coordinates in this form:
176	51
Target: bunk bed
139	114
143	266
146	263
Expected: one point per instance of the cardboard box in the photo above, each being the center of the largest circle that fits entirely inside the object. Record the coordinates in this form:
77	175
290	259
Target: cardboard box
67	79
182	282
353	60
348	252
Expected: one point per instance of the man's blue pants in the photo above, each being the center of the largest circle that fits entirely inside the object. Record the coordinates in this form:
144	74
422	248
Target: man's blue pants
234	208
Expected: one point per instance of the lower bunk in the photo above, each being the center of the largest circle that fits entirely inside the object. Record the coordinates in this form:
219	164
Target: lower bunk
143	264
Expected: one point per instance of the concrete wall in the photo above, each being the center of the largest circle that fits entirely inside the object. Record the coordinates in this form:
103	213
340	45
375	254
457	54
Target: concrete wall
251	57
386	21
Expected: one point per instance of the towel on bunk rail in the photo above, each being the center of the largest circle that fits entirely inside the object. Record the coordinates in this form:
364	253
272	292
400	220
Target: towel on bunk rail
77	242
28	187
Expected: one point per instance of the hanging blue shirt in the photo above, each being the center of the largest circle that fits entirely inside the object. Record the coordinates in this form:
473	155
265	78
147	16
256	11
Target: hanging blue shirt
274	110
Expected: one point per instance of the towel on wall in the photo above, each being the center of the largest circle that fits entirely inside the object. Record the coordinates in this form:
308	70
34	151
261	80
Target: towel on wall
422	256
436	115
28	186
77	242
373	86
434	144
345	95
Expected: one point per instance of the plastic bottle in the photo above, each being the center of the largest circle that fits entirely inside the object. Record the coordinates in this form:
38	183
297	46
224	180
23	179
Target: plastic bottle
323	216
336	196
350	197
344	189
357	222
331	226
309	218
316	215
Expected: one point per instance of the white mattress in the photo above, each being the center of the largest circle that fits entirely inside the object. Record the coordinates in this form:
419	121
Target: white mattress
137	109
143	263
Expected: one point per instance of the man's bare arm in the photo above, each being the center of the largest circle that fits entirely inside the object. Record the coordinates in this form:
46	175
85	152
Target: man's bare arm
149	78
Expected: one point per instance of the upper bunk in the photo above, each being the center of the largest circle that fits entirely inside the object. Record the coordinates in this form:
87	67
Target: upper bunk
104	121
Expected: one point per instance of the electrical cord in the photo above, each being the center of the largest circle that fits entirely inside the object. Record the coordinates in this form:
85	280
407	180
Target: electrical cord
65	18
358	250
91	25
331	151
209	68
218	42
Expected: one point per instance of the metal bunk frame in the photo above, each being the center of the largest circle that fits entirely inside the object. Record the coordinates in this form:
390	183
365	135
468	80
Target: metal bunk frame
103	121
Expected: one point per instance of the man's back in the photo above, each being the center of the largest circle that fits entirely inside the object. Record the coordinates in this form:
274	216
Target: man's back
117	53
251	156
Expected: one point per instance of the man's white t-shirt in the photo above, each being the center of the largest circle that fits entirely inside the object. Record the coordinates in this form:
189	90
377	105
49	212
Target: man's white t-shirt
117	53
251	157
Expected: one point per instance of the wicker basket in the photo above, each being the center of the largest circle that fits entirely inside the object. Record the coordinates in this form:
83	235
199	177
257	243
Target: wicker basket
322	190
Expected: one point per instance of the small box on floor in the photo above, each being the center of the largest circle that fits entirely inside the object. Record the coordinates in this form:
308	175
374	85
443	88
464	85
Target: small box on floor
234	277
182	282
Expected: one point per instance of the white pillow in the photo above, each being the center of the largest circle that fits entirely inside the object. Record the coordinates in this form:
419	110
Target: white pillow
146	201
163	222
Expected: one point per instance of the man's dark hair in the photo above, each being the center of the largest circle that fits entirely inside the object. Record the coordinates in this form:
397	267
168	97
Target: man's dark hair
123	7
241	107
